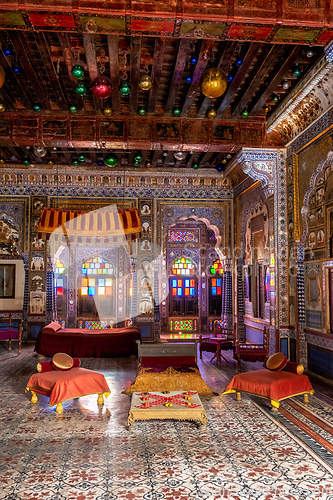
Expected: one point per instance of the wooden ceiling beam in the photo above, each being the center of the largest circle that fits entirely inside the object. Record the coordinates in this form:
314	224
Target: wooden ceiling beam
183	49
258	73
135	73
244	67
90	49
194	88
21	49
113	48
156	73
283	67
68	58
45	54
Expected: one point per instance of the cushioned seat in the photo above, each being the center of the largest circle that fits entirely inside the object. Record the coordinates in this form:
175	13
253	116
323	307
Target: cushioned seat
252	352
215	345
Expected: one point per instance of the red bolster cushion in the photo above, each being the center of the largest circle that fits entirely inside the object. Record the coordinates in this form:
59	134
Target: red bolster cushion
46	366
294	368
52	327
276	362
167	360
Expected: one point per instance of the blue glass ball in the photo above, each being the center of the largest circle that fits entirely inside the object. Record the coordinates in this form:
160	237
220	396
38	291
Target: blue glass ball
239	62
194	60
100	163
188	79
219	168
230	78
7	51
16	70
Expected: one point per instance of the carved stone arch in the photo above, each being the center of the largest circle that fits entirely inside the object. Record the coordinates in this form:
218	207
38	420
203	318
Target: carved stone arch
317	174
210	226
245	217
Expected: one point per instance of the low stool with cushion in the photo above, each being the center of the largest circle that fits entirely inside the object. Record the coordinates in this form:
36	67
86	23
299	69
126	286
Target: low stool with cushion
63	379
279	380
252	352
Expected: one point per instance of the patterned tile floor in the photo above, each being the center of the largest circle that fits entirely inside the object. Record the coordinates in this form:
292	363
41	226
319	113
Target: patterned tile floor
86	453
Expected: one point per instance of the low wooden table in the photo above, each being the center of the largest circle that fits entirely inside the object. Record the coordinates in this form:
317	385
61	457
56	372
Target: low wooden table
178	405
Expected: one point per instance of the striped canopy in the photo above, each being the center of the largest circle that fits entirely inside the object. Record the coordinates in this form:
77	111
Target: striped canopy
101	223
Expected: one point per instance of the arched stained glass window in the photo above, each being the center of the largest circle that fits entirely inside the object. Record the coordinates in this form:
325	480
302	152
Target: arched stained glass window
59	281
216	267
183	267
97	265
60	268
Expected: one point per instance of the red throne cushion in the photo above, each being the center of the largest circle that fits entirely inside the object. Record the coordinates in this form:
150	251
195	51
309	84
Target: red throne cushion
249	353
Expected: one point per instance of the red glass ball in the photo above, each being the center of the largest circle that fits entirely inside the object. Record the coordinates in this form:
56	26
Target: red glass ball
101	87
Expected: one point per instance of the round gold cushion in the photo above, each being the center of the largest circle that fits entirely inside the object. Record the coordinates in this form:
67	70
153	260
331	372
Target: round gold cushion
62	361
276	362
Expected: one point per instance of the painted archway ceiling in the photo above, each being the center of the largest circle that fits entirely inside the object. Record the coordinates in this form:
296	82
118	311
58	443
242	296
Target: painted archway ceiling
127	40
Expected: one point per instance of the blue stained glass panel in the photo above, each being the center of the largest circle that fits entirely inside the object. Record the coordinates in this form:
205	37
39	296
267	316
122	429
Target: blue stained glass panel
179	292
187	283
174	283
214	290
84	271
192	291
91	290
218	282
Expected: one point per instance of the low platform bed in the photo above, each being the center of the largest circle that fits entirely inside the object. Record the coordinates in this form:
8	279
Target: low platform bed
168	367
84	343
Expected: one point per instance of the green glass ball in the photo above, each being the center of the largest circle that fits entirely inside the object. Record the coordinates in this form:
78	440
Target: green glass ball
275	98
75	162
82	157
78	72
81	89
125	89
142	111
195	166
297	72
111	160
176	112
26	162
73	109
245	113
138	158
37	107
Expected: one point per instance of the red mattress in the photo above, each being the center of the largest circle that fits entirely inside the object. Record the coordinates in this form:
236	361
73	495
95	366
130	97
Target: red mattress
84	343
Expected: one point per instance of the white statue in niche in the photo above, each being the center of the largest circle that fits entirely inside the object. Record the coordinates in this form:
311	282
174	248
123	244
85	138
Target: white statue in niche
145	210
146	227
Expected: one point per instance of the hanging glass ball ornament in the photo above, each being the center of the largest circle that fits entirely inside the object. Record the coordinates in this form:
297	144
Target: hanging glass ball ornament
275	98
7	51
107	111
2	76
82	157
213	82
50	162
73	109
188	79
111	160
125	89
16	70
194	60
309	53
145	82
39	150
2	161
230	78
138	158
219	168
81	89
285	85
26	162
100	162
297	71
176	112
75	162
78	72
37	107
142	111
239	62
195	166
148	164
101	87
2	108
211	113
224	161
245	113
266	109
179	155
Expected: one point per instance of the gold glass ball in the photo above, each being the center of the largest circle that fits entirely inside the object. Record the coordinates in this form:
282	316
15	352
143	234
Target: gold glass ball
145	82
213	82
211	113
2	108
2	76
148	164
2	161
107	111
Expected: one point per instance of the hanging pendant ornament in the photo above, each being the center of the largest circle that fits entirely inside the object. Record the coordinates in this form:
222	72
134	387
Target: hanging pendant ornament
213	83
78	72
211	113
2	76
73	109
145	82
137	159
107	111
2	108
125	89
111	160
82	157
101	87
81	89
39	151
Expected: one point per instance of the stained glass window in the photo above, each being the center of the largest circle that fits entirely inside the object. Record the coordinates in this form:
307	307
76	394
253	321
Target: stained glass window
89	286
182	236
183	325
60	268
183	267
59	286
216	267
183	288
216	286
95	325
97	265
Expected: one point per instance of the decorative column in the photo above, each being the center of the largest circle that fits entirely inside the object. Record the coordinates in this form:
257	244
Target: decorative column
240	302
51	312
25	257
134	302
301	346
269	167
227	313
156	295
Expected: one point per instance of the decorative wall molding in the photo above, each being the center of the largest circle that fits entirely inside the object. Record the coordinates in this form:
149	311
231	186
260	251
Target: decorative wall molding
258	164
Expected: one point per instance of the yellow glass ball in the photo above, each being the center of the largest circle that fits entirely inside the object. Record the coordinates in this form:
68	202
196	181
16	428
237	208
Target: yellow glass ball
148	164
145	82
211	113
2	161
2	76
2	108
213	83
107	111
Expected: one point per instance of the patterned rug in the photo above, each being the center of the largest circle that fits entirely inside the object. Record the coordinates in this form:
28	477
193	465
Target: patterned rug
244	452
